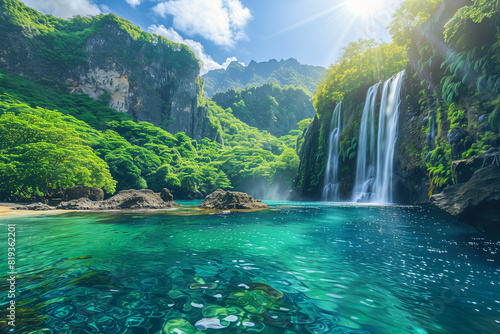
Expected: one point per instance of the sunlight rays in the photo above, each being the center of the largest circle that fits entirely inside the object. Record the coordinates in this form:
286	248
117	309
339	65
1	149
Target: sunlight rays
309	19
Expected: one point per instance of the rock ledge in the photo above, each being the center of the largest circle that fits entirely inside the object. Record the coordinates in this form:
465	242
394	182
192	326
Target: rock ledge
476	202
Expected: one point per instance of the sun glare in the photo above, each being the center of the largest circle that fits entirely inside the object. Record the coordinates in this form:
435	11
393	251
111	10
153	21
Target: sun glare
365	7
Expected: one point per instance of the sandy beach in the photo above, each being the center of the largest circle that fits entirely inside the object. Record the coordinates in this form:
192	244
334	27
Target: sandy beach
7	212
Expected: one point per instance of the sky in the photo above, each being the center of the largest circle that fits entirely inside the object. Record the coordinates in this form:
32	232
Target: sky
220	31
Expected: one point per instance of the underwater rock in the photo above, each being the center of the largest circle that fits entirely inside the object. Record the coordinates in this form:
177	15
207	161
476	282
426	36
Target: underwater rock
125	199
92	193
225	200
35	207
475	202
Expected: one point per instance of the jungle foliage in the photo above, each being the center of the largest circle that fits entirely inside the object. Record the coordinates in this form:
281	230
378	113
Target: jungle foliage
268	107
74	140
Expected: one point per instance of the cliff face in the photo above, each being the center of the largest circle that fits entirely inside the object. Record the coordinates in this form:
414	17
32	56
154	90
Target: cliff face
448	113
145	76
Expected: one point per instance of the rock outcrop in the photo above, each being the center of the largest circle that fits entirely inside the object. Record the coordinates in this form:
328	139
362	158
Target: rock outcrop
92	193
227	200
147	77
476	202
35	207
125	199
166	195
463	170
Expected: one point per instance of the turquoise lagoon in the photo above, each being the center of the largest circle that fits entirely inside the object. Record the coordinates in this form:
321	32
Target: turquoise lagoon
295	268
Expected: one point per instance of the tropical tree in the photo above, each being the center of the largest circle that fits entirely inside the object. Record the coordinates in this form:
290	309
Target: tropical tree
41	152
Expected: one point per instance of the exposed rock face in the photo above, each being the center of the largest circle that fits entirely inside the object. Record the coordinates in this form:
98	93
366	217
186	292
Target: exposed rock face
476	202
35	207
92	193
80	204
125	199
166	195
306	184
152	81
463	170
226	200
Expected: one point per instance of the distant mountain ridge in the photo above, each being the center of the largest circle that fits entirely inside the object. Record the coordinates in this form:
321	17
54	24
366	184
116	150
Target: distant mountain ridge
283	72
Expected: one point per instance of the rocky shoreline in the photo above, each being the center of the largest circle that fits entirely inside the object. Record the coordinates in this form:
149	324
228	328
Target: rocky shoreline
124	200
146	199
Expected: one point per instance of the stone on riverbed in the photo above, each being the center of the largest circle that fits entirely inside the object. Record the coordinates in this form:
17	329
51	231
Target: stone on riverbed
227	200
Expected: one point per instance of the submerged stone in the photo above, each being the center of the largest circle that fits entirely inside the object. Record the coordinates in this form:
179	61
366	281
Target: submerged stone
179	326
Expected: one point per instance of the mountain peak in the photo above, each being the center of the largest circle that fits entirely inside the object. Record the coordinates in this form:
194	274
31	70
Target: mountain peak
283	72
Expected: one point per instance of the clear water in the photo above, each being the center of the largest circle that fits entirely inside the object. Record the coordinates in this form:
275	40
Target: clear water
296	268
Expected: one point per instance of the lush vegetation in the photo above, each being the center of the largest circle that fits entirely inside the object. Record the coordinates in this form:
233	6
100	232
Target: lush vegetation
42	151
53	95
363	63
86	143
452	58
283	73
268	107
51	139
459	86
60	43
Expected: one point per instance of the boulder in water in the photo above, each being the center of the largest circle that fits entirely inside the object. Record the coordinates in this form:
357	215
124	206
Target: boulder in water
227	200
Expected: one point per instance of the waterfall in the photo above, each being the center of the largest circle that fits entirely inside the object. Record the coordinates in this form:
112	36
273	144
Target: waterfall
365	168
387	137
331	188
375	155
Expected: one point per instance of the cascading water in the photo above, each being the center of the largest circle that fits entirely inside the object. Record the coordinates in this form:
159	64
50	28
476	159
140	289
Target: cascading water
365	168
375	162
331	188
387	137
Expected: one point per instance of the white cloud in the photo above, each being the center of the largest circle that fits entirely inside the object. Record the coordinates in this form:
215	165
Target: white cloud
105	9
133	3
220	21
208	63
64	8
